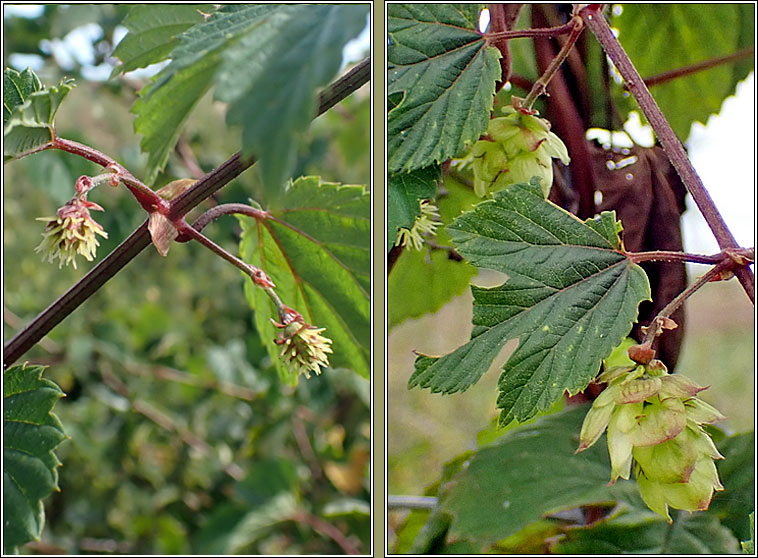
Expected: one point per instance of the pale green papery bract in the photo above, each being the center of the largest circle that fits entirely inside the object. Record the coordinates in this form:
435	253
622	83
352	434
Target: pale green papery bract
517	147
653	420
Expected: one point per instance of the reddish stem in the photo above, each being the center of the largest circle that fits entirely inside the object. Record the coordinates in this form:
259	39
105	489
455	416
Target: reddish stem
699	67
671	144
667	256
538	32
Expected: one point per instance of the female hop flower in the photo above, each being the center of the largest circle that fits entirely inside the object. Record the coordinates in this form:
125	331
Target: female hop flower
72	231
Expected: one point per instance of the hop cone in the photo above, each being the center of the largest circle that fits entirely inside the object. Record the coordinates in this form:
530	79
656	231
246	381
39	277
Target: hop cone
517	147
654	426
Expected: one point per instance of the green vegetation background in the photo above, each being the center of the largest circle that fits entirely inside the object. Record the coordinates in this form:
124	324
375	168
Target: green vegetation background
182	440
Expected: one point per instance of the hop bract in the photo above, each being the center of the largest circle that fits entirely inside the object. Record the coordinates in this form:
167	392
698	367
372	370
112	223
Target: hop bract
304	349
72	231
654	426
517	147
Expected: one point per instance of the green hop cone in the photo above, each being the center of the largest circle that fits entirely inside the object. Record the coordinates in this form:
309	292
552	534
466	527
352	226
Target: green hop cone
654	423
516	148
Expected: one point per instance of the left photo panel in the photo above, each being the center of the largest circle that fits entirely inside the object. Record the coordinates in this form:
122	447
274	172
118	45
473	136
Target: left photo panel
187	312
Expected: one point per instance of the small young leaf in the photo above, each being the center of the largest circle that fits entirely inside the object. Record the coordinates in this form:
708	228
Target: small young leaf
404	191
448	83
30	468
571	296
316	250
16	88
153	30
29	124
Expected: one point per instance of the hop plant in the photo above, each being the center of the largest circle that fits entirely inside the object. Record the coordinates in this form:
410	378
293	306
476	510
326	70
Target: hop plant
304	349
72	231
424	224
517	147
654	422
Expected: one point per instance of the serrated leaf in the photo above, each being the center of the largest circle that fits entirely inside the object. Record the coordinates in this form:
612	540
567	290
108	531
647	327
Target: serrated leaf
267	62
438	59
153	30
17	87
530	471
638	533
316	250
271	76
737	474
30	434
166	102
570	298
404	192
30	123
421	283
688	34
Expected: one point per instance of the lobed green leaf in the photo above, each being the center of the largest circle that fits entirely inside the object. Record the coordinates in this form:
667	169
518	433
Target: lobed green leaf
570	298
438	62
153	31
30	434
316	250
267	61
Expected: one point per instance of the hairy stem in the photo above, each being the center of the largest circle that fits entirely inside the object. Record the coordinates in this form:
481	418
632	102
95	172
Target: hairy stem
258	276
671	144
149	200
537	32
699	67
656	325
140	238
667	256
540	86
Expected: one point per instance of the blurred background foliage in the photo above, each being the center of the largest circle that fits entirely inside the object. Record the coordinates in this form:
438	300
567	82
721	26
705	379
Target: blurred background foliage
181	440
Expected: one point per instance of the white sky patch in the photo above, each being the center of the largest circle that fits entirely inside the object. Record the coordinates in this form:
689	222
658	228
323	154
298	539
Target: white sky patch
29	11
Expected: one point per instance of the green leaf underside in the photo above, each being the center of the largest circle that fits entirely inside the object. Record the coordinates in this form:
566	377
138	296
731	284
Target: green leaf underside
438	59
404	191
253	54
421	283
29	111
153	30
30	434
527	473
688	34
571	296
317	253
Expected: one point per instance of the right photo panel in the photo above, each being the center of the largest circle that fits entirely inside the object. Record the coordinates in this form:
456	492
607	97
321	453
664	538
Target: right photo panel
570	290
